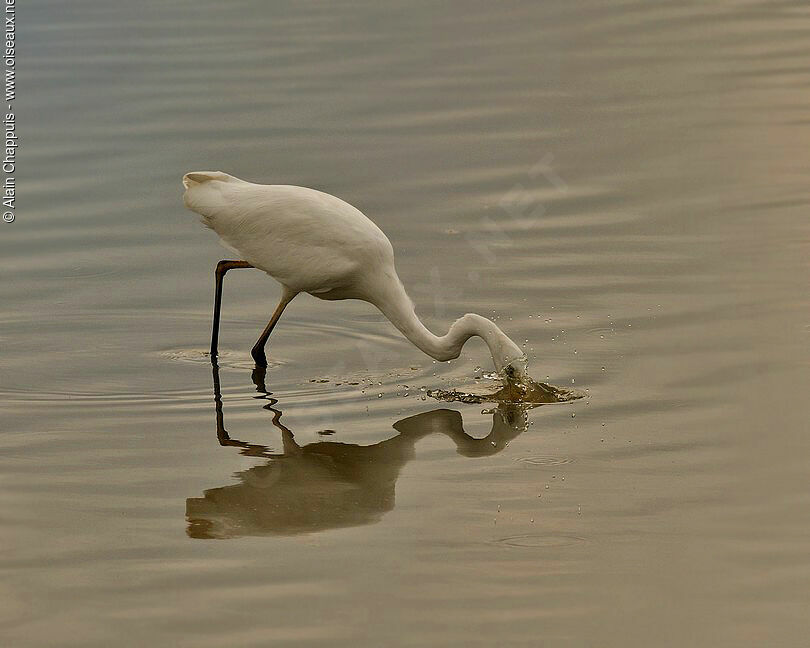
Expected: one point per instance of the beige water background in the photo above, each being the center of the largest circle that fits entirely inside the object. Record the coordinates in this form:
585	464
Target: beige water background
624	185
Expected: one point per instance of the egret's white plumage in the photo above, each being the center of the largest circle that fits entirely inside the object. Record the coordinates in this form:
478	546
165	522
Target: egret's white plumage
313	242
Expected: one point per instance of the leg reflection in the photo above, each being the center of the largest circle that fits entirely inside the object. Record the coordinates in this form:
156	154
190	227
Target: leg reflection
326	484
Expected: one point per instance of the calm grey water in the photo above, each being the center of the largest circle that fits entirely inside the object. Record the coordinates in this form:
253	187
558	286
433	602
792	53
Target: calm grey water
623	185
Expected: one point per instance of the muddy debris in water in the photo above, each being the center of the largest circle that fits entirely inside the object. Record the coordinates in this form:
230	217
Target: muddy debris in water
525	391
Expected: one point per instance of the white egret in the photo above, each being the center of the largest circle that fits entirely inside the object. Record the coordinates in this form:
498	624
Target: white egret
313	242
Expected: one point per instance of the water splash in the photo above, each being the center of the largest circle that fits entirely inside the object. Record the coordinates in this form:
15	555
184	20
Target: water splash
508	387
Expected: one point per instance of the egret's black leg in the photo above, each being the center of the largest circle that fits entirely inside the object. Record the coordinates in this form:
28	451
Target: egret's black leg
258	349
219	274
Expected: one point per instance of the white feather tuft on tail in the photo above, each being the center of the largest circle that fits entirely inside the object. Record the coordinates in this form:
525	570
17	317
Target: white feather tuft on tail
206	192
195	178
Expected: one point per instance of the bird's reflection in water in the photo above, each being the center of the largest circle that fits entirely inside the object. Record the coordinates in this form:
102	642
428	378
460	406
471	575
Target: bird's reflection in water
327	485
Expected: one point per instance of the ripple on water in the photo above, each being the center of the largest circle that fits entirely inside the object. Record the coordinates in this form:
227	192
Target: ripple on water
110	398
225	358
539	540
602	331
544	460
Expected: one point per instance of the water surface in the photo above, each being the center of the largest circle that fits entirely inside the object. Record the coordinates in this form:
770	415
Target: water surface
622	185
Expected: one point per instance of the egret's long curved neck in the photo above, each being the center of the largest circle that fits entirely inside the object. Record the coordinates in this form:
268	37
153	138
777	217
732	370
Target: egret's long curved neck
395	304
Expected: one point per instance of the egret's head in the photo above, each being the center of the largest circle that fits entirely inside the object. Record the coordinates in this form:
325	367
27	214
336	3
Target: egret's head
517	369
506	355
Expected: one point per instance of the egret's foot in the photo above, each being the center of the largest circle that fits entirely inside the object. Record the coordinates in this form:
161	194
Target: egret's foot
259	358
